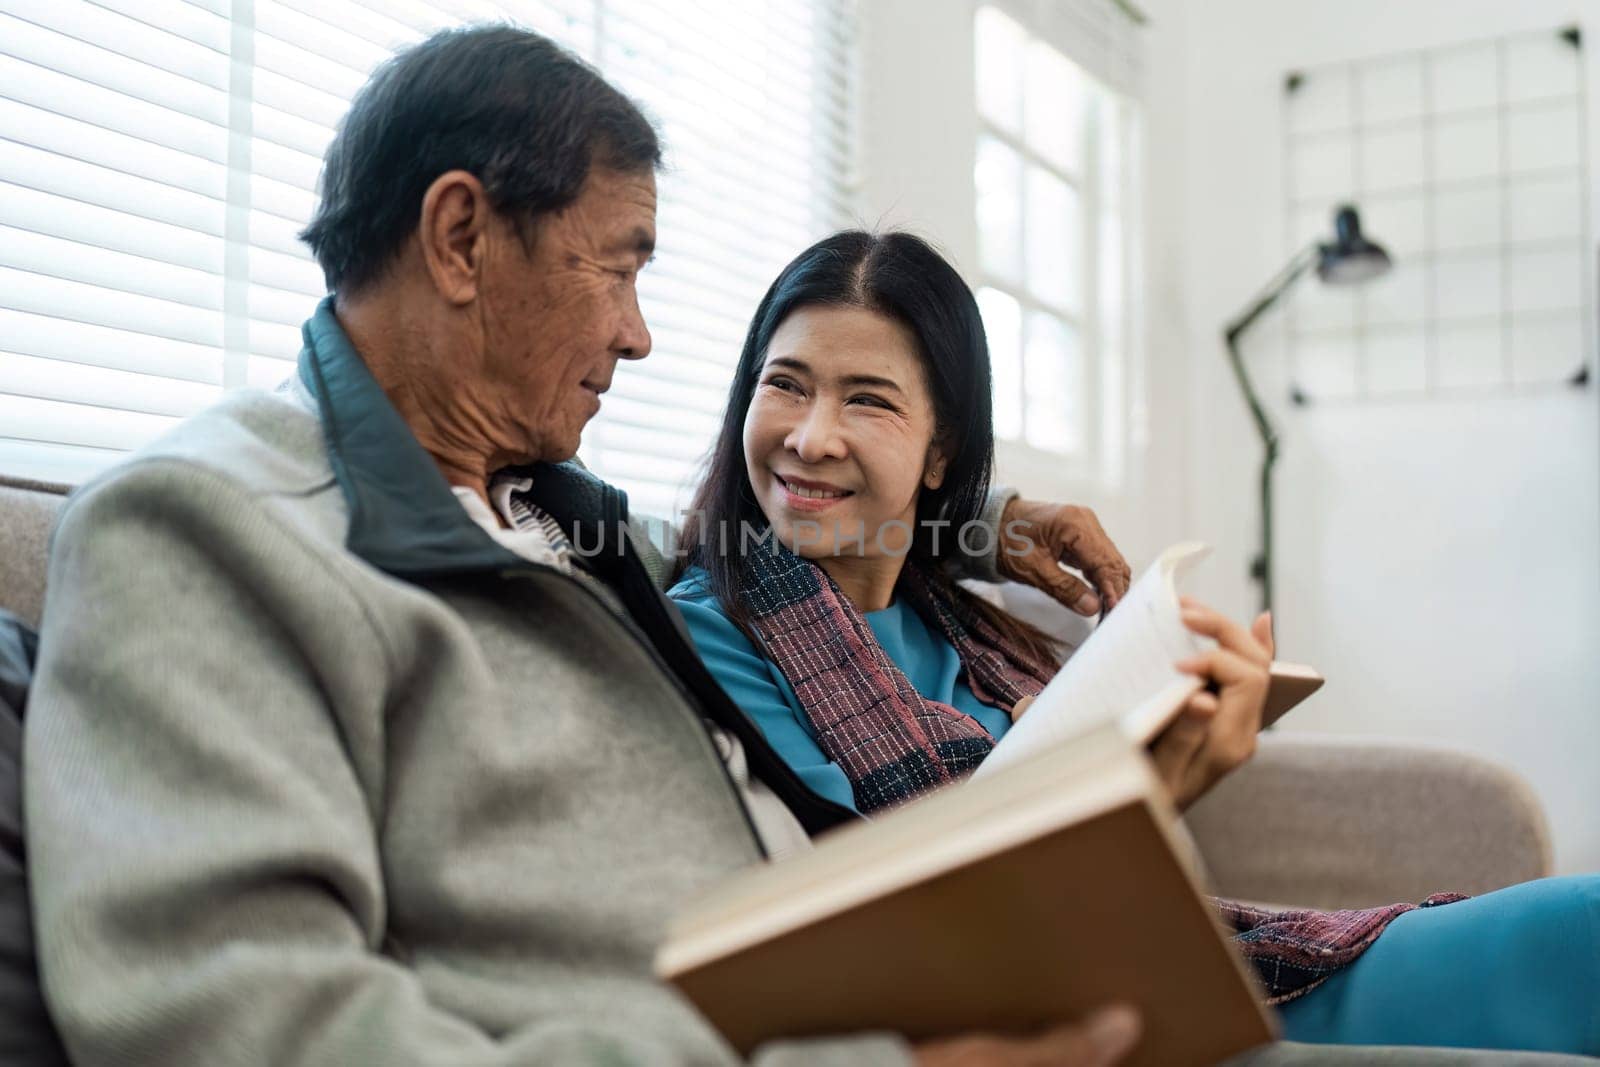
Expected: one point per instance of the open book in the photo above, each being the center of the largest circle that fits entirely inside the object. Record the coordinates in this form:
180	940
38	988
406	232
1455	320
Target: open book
1124	672
1000	905
1046	885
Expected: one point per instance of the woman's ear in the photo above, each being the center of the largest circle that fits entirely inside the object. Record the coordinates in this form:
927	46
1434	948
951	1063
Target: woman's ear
933	468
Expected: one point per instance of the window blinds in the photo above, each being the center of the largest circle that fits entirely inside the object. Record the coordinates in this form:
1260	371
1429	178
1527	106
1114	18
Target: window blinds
157	158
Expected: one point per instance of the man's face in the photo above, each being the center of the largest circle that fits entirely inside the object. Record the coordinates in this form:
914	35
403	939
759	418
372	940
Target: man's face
556	320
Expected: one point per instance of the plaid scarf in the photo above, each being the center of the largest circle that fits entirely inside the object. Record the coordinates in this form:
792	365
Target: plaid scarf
891	742
894	744
1293	952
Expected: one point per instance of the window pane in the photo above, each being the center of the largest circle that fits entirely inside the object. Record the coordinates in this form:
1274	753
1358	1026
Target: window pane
1108	134
999	54
1111	356
998	176
1138	427
1054	236
1054	368
1111	284
1002	321
1054	107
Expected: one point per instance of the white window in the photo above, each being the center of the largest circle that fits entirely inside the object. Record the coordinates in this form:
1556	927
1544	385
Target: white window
158	157
1056	179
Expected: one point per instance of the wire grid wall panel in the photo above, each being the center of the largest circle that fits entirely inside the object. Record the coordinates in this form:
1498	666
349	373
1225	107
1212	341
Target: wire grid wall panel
1056	164
159	157
1469	163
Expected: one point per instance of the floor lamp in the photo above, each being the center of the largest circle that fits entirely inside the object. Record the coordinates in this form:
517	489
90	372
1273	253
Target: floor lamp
1349	259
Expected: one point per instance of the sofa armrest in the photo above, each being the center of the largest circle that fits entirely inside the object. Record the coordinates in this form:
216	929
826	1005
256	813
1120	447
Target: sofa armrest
1329	822
27	512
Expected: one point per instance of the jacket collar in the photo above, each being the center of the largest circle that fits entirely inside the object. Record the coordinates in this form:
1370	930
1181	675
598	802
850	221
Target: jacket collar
403	517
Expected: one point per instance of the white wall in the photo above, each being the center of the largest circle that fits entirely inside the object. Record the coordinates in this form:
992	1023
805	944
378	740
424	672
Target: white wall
1440	561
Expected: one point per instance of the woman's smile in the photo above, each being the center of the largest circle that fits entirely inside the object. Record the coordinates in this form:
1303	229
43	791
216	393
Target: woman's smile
804	494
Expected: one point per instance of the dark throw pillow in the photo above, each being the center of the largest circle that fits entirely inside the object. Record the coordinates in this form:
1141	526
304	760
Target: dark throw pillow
26	1033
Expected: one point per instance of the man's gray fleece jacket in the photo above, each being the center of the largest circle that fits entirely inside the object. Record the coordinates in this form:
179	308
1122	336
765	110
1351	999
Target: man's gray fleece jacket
318	773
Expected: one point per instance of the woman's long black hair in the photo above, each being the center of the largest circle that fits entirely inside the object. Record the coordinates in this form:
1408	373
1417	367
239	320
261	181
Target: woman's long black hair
901	276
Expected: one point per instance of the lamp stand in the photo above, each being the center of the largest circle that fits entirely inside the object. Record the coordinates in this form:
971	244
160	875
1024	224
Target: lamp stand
1261	566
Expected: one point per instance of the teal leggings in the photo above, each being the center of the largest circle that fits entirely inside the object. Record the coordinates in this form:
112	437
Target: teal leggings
1515	969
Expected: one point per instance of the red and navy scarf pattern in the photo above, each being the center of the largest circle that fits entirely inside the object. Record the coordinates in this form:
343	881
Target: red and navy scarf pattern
1293	952
891	742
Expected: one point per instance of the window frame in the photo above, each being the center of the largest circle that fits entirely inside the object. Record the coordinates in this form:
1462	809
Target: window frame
1100	462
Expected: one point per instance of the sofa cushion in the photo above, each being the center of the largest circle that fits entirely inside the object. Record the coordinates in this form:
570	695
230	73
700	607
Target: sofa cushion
27	513
26	1033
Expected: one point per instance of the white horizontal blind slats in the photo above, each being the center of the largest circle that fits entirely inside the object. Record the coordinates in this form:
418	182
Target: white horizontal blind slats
752	97
62	464
26	418
53	153
41	294
55	257
192	22
194	93
113	190
74	340
117	33
50	214
136	391
119	295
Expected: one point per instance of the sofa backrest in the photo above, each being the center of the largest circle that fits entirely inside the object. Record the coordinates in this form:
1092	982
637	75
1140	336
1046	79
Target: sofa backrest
27	513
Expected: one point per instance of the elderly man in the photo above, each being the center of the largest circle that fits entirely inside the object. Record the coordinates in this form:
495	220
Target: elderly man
338	751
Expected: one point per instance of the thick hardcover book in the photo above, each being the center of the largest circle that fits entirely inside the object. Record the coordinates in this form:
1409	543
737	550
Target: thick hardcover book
1003	904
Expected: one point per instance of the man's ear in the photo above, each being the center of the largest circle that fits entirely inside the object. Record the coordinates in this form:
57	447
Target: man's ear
454	232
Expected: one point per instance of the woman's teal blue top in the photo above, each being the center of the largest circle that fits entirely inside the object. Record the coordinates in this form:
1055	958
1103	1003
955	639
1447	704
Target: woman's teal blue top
754	682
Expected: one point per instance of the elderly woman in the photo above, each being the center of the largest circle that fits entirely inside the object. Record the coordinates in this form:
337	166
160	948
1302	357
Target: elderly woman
857	442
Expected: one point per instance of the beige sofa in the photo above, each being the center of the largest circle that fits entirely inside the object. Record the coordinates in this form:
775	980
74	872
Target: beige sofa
1316	822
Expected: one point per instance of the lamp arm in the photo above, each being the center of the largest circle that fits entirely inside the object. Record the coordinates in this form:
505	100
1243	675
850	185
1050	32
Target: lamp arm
1261	568
1273	290
1269	296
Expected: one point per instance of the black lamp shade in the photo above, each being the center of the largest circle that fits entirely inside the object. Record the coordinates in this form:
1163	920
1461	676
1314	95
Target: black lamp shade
1351	258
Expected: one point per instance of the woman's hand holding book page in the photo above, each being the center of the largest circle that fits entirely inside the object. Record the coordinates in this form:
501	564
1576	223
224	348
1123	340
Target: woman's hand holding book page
1125	670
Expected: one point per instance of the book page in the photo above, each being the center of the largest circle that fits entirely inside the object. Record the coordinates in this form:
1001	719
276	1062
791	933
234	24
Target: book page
1125	668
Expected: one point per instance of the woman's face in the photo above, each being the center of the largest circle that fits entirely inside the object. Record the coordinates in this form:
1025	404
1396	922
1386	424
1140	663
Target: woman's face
839	437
